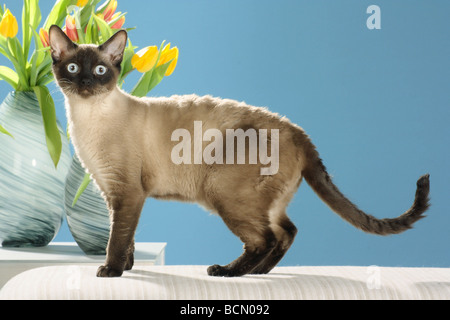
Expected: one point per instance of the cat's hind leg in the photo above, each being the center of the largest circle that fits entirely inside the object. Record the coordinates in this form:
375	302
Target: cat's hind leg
282	227
259	242
285	232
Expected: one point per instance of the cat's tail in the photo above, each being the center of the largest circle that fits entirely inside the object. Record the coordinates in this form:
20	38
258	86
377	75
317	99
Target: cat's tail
317	177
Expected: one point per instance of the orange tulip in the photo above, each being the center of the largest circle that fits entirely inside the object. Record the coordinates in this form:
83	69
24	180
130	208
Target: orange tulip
119	23
44	38
71	29
109	11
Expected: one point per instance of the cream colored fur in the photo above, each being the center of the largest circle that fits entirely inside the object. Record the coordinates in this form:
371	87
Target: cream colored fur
126	144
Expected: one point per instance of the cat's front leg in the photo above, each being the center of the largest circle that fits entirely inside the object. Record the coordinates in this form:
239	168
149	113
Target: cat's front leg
125	210
130	256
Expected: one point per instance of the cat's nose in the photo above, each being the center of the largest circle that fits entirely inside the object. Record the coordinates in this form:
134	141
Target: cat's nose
86	82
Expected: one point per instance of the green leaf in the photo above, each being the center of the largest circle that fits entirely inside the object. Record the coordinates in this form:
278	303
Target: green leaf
39	48
89	29
140	90
126	67
45	80
105	29
87	11
39	59
33	71
35	11
158	75
3	130
58	13
15	55
9	76
149	80
31	17
52	136
43	73
83	186
25	29
44	69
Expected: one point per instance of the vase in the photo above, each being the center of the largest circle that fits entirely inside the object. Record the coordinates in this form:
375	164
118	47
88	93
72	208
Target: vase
31	189
88	219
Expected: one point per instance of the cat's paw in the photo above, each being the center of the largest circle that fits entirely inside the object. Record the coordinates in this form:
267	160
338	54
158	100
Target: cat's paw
108	272
223	271
217	271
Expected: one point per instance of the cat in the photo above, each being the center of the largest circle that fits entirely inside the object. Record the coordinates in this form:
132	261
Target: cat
127	145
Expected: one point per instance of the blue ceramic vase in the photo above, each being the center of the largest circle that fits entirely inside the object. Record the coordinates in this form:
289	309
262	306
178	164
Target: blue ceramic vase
31	189
88	219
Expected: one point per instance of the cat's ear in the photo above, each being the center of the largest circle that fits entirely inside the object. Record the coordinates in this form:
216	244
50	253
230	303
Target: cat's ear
60	44
115	47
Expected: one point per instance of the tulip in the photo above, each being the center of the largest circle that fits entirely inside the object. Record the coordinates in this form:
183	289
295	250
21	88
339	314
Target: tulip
8	25
44	38
119	23
109	11
82	3
145	59
168	54
71	29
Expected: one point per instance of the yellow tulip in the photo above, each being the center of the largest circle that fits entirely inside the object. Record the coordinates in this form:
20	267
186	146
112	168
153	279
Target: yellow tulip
145	59
8	25
164	52
168	54
82	3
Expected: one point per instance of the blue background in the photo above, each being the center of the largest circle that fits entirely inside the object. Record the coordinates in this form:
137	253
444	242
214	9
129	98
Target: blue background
375	102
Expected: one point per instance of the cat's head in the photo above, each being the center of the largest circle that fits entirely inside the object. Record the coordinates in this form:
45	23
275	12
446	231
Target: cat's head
86	70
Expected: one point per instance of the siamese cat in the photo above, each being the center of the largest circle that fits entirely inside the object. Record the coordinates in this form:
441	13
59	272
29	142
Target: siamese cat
128	146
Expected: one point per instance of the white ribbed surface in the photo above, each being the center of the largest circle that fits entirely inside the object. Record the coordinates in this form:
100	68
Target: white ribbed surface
192	282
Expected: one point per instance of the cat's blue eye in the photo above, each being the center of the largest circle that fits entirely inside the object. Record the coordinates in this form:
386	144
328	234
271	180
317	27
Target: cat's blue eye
72	68
100	70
